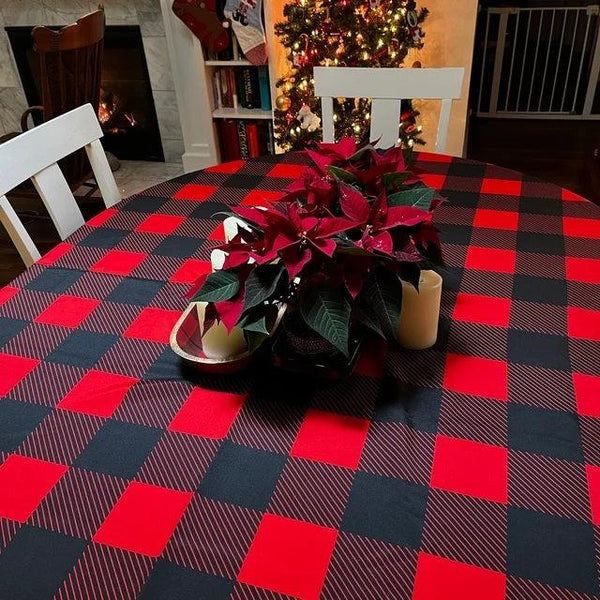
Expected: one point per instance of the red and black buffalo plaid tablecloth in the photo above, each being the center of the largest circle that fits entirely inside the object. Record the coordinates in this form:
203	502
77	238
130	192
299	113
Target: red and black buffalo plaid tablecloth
467	471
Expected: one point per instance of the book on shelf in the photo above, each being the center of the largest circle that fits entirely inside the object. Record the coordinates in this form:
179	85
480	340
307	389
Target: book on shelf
240	138
263	84
247	87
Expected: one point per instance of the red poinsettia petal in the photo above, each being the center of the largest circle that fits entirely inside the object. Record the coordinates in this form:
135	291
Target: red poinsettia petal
253	215
321	160
383	242
327	246
354	204
295	259
235	259
230	311
405	215
345	148
355	272
197	285
331	226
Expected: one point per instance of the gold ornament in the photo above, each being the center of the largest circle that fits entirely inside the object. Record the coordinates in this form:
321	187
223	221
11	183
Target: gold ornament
282	102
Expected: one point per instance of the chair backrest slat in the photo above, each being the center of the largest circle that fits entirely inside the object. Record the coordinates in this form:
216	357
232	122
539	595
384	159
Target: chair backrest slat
34	155
387	87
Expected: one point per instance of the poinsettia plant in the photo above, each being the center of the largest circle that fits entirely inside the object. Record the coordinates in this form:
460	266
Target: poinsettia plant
334	248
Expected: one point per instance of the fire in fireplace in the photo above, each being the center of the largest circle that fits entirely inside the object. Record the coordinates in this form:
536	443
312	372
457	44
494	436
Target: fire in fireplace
126	111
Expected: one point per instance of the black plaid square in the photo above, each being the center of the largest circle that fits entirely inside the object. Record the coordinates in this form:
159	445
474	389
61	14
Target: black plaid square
244	181
538	350
20	562
416	407
540	242
140	292
143	204
82	349
9	328
397	520
118	449
17	421
456	234
178	246
540	206
540	289
168	580
104	238
210	210
552	433
55	280
551	550
242	476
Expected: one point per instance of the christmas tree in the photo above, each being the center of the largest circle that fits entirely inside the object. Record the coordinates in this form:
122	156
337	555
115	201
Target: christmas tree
346	33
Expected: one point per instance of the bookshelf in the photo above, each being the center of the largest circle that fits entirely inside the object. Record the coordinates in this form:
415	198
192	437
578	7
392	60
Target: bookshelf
193	73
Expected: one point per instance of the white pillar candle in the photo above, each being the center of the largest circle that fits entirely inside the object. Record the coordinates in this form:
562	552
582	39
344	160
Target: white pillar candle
418	324
217	342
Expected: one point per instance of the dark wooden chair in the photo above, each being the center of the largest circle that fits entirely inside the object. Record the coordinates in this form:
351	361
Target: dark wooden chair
70	63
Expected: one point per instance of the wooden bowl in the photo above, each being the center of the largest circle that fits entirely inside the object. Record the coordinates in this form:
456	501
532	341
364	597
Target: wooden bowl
186	341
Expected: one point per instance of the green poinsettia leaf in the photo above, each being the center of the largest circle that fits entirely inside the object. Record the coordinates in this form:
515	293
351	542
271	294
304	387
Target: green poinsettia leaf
391	180
254	323
341	174
327	311
382	294
368	321
419	197
262	283
219	286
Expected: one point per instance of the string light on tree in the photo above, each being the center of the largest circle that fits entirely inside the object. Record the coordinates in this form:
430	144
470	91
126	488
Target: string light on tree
346	33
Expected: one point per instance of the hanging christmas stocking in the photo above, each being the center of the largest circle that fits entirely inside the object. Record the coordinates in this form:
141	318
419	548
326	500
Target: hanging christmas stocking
201	18
247	25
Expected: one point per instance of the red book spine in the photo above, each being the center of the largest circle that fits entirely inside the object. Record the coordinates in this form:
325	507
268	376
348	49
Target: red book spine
230	145
253	143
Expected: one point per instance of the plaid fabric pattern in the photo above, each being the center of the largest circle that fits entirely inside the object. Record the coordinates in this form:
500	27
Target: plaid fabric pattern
470	470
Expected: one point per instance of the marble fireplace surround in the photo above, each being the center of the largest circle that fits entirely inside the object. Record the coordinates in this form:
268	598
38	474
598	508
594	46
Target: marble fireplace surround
145	13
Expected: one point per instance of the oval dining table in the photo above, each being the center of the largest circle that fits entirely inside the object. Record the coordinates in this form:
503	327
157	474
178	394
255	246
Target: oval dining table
468	471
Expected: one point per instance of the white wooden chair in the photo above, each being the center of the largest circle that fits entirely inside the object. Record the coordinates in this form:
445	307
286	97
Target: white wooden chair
387	87
34	155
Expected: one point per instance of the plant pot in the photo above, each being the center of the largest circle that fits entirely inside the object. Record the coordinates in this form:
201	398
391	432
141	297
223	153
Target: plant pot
299	349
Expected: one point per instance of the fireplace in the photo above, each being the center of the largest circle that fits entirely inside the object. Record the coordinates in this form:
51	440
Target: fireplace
126	113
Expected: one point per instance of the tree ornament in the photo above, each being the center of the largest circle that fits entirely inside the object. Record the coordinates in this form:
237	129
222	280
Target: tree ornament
308	119
413	26
282	102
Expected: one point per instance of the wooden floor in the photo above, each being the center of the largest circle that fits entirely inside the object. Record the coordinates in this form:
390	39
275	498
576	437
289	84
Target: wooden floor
560	151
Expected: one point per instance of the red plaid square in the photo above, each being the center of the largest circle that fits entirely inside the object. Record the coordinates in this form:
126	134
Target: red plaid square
431	157
97	393
13	369
501	187
118	262
6	293
587	394
485	310
261	198
570	196
218	234
208	413
583	323
484	377
287	171
593	477
229	167
433	180
496	219
23	484
195	191
289	556
102	217
470	468
153	325
586	270
445	579
163	224
57	252
583	228
143	519
491	259
191	270
68	311
331	438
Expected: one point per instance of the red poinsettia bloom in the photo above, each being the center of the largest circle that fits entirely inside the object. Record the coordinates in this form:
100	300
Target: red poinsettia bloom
332	154
314	188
